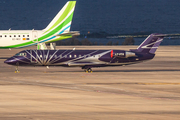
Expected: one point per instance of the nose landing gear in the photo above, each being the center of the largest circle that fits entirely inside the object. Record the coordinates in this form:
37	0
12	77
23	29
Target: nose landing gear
17	66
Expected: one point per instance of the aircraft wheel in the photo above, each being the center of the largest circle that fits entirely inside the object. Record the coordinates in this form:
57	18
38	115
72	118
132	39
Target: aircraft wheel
89	70
85	70
17	71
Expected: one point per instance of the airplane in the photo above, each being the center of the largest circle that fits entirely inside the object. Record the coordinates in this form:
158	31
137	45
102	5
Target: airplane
58	29
87	59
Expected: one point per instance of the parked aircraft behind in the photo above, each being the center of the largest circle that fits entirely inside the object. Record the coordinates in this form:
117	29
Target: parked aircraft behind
87	59
58	29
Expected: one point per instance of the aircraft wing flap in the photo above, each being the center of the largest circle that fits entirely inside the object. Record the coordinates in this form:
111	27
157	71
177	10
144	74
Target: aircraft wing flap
83	64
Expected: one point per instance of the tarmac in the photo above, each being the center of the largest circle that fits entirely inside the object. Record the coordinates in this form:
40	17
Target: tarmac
144	91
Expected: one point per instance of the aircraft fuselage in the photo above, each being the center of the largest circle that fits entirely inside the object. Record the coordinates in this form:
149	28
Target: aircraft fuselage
79	58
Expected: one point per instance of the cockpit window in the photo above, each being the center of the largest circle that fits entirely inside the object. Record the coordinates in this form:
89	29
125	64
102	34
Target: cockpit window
20	54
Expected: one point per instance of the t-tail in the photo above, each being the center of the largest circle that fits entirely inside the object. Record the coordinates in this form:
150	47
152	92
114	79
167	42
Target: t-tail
150	44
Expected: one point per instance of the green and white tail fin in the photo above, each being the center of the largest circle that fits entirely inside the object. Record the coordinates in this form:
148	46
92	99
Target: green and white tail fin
62	21
59	27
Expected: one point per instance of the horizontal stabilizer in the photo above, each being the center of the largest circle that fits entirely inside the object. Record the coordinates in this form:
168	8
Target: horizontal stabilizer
161	35
72	33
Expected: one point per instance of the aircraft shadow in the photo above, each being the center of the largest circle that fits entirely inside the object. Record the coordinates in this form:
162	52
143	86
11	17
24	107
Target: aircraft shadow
143	70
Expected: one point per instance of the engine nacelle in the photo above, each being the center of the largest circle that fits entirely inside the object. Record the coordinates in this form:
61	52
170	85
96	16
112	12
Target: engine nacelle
130	54
124	54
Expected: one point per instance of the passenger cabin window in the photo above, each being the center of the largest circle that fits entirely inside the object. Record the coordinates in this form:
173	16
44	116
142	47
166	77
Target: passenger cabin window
70	56
14	35
79	55
23	35
19	36
27	35
5	36
0	35
10	36
75	56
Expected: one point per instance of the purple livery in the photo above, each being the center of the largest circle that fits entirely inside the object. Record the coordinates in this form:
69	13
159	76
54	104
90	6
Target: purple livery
87	59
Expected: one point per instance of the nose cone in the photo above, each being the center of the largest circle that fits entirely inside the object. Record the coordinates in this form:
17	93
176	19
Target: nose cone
11	61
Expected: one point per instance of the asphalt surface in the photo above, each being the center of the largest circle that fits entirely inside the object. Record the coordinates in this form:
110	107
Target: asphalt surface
148	90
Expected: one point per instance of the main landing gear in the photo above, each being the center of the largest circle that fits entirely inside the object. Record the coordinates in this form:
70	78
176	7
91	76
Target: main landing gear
89	70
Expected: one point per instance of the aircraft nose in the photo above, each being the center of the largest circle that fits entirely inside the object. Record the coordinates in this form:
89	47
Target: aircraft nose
7	61
10	61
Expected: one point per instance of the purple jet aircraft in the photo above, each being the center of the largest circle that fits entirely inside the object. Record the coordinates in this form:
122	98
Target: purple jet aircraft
87	59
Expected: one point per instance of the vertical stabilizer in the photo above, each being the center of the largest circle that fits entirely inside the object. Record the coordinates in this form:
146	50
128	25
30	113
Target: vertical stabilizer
62	21
151	43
